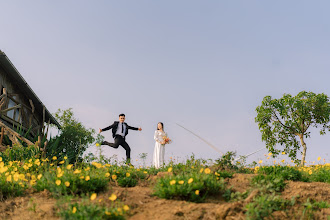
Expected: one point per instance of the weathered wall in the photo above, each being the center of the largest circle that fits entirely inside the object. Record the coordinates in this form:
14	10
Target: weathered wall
23	115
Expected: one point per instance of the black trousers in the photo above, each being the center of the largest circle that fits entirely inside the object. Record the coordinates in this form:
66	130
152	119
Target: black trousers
119	140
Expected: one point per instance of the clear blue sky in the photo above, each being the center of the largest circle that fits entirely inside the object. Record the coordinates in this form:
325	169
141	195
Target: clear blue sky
204	64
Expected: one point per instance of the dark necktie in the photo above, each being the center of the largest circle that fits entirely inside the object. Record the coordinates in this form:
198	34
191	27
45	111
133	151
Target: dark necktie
122	128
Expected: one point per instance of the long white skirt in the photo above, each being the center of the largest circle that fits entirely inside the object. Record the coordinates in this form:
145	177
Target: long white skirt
159	152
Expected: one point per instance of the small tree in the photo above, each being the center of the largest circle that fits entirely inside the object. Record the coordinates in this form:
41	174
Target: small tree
282	121
73	139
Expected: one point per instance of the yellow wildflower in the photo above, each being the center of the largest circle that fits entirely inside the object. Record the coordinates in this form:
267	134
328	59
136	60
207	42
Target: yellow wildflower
8	178
113	197
125	207
260	161
93	196
181	182
16	177
107	174
114	177
87	178
67	184
145	172
62	162
32	182
270	154
172	182
77	171
169	169
190	180
88	168
68	167
3	169
37	162
97	144
97	165
54	158
65	157
283	153
310	172
201	170
128	174
197	192
74	210
207	170
319	158
58	182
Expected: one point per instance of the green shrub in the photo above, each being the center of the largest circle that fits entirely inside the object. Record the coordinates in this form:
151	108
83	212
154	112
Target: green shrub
20	153
73	140
263	205
10	187
287	173
88	210
225	174
64	182
272	183
127	176
310	206
193	187
127	182
321	174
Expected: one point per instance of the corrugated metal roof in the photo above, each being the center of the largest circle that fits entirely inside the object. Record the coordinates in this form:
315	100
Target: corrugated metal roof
17	78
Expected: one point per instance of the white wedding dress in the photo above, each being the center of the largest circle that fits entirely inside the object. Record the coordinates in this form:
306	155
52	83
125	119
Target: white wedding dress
159	151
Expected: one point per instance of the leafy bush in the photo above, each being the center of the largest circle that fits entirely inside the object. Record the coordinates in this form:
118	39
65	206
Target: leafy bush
66	181
310	206
263	205
225	174
127	182
9	187
20	153
286	172
320	174
73	139
193	187
226	161
88	210
272	183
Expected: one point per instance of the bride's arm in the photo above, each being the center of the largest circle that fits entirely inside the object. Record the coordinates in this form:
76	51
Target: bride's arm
156	137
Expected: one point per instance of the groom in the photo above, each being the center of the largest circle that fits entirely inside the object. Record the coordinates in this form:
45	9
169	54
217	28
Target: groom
119	132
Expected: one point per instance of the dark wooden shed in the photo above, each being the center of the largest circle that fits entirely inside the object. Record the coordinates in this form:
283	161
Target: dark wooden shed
19	106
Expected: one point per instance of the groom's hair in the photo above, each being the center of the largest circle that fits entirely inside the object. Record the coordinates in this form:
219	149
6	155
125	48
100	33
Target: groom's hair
122	115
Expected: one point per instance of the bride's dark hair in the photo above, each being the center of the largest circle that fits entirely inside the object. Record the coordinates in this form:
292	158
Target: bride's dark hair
161	124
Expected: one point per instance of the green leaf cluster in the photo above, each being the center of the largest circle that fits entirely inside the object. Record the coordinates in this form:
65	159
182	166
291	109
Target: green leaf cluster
286	121
171	187
73	140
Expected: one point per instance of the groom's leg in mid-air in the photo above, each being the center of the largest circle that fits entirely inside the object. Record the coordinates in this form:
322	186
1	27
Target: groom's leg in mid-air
114	145
128	151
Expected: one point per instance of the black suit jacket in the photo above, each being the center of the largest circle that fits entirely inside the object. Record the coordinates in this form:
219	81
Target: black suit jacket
114	128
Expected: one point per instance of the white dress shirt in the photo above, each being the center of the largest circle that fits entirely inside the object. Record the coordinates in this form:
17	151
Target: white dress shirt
120	131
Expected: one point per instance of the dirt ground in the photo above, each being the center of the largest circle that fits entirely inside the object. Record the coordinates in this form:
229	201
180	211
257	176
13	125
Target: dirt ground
143	205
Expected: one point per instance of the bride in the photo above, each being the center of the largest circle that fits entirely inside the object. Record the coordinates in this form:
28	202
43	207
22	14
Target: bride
159	151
